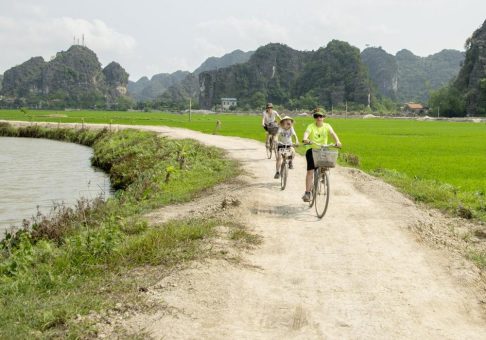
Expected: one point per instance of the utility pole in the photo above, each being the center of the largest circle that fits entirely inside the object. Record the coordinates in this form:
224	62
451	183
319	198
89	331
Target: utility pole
346	113
190	108
438	111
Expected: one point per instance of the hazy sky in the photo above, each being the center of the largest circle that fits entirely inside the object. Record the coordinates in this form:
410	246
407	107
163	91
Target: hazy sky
149	36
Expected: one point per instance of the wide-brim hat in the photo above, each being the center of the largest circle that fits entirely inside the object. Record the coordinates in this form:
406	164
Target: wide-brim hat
318	112
286	118
269	106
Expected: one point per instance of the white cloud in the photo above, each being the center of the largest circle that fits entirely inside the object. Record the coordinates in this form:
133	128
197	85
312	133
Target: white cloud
216	37
97	34
153	36
38	34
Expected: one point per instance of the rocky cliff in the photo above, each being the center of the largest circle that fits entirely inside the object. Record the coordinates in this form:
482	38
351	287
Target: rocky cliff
406	77
149	89
277	73
179	94
25	79
233	58
471	81
179	83
383	71
73	78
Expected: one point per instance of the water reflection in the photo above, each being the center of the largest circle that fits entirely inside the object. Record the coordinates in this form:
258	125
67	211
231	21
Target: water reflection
40	173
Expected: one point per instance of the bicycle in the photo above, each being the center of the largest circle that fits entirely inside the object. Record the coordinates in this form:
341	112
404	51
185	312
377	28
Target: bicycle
285	151
324	160
270	143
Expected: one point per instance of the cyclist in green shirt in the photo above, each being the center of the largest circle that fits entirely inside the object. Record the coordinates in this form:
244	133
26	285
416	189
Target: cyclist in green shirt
317	132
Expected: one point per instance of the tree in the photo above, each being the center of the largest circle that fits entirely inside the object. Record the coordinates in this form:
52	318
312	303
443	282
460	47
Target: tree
449	100
258	99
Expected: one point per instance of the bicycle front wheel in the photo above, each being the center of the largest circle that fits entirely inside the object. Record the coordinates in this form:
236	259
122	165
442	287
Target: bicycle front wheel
284	171
322	194
269	146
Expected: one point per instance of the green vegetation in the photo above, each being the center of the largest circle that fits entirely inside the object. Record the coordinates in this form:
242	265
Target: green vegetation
83	258
466	94
448	101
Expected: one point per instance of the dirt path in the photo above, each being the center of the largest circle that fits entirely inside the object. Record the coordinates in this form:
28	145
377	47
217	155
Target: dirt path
358	273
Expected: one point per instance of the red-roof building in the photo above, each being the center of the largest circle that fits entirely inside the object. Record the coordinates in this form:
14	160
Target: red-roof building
414	108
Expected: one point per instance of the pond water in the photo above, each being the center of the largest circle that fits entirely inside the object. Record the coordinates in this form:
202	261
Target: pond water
36	174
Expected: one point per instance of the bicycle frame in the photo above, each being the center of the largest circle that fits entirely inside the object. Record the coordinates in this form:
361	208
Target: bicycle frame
321	186
285	152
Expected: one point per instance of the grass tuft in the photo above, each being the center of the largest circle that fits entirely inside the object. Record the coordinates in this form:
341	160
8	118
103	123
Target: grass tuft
479	258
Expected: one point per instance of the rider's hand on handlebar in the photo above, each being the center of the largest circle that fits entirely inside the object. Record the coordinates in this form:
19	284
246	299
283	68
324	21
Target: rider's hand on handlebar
339	145
306	141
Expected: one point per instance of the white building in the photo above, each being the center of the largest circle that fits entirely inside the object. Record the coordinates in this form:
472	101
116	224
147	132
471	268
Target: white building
227	103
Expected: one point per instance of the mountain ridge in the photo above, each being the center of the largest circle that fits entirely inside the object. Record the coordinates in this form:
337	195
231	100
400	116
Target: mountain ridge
471	80
285	76
149	89
72	78
407	77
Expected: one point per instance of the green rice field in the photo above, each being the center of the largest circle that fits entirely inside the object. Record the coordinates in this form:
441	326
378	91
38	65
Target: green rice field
437	162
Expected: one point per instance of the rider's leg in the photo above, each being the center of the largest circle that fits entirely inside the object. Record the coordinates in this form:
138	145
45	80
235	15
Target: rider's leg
309	176
279	161
309	180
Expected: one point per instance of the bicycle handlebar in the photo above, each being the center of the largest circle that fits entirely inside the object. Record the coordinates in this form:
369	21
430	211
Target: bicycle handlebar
322	145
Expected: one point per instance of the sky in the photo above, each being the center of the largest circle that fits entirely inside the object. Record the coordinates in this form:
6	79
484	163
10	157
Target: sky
148	37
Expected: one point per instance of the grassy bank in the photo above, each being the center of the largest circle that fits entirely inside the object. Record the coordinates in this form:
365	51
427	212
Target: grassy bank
442	164
81	259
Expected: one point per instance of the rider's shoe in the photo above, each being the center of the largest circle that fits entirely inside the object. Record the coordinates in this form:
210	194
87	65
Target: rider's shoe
291	165
306	197
277	175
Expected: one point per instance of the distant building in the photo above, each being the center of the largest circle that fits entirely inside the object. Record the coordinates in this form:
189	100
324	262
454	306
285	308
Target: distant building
227	103
414	108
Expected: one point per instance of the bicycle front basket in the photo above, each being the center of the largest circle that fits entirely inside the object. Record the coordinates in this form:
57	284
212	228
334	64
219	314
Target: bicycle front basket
272	129
324	158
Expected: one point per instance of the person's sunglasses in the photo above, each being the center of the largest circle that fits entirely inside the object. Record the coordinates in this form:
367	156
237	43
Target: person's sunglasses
318	116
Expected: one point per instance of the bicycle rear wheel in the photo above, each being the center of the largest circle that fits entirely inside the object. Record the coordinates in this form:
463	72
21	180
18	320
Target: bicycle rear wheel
322	194
284	171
